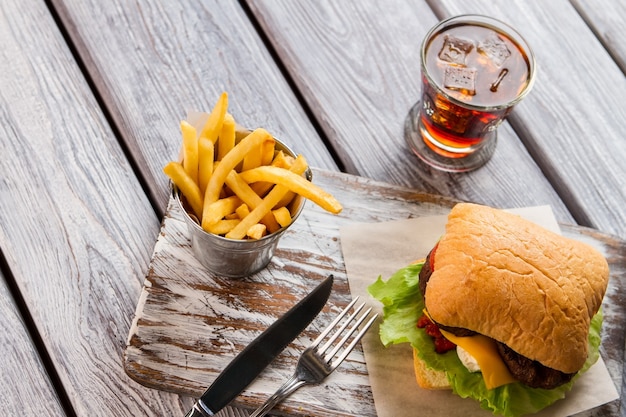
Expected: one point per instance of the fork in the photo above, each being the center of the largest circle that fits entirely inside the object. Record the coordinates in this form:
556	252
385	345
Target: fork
316	363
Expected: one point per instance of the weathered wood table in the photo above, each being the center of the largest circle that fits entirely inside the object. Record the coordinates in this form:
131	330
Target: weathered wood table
91	95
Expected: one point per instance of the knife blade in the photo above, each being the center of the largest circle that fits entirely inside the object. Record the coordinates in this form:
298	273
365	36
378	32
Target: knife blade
249	363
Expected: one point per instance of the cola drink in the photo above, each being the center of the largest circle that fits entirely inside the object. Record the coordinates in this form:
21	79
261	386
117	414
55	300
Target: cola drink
474	70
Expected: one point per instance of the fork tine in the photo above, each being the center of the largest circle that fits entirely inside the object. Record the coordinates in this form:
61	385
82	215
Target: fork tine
352	344
348	334
332	325
343	327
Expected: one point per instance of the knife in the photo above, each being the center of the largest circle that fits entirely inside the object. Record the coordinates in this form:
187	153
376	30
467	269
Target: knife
249	363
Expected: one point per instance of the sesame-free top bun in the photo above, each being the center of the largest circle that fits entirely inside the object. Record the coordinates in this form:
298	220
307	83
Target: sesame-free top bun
518	283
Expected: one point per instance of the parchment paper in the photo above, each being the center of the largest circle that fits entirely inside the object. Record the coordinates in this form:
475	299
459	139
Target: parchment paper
371	250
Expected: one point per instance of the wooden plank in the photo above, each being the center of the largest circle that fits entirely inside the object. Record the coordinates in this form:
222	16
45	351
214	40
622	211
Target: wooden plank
358	66
573	120
35	394
189	323
607	20
152	62
75	226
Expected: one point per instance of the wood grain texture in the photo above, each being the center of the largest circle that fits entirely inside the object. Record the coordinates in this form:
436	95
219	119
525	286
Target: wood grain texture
189	323
152	62
357	64
20	361
75	226
606	19
572	122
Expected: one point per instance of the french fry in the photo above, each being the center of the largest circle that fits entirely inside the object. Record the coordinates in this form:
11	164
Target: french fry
262	156
242	211
285	200
223	226
252	199
190	150
270	200
219	209
213	125
206	151
226	140
280	160
230	161
252	159
282	216
261	188
176	172
267	153
256	231
295	183
242	190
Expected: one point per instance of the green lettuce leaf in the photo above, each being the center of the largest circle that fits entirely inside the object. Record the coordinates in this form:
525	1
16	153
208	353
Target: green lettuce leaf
402	307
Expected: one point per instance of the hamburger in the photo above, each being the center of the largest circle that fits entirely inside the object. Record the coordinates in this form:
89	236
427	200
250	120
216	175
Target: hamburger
501	310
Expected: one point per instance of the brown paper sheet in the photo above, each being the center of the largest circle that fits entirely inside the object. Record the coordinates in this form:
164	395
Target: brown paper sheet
382	248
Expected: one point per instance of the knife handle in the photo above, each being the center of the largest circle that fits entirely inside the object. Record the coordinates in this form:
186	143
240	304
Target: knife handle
199	410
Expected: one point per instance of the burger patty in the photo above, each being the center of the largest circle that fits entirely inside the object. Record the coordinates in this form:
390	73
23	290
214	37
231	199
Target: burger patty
531	372
523	369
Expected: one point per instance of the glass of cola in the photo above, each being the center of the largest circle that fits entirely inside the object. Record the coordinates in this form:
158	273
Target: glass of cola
474	70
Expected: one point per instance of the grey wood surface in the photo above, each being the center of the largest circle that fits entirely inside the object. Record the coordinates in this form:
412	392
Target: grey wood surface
76	229
606	20
362	98
20	361
151	62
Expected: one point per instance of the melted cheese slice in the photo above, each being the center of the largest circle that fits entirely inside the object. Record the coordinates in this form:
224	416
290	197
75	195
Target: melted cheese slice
484	350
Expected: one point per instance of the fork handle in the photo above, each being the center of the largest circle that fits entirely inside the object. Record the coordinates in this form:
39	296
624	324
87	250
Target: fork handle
284	391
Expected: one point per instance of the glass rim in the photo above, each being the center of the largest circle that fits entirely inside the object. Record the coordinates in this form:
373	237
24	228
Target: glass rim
490	22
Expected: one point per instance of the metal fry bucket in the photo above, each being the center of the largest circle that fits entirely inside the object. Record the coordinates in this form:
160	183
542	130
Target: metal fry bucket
237	258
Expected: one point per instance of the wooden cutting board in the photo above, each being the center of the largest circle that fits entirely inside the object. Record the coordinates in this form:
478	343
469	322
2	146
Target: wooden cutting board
190	324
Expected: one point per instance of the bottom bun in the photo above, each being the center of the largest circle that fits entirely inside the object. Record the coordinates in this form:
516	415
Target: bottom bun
428	378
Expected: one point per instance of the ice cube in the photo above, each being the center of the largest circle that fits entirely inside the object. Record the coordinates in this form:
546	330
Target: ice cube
454	50
494	48
461	79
